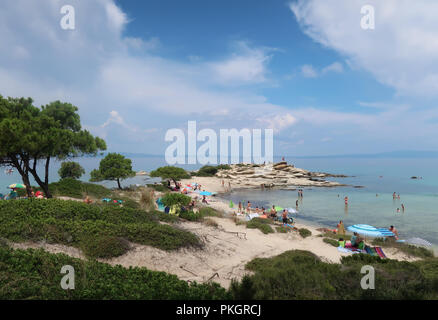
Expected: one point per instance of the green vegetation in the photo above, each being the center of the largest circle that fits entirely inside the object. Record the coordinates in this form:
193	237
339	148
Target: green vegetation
158	187
210	171
199	216
304	232
332	242
178	199
302	275
31	137
71	169
170	172
408	249
35	274
283	229
104	247
114	167
262	224
88	227
73	188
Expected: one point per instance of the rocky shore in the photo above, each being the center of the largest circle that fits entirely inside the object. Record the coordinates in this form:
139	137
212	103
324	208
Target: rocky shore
279	175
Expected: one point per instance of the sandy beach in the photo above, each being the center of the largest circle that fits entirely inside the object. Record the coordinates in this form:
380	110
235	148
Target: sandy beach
227	246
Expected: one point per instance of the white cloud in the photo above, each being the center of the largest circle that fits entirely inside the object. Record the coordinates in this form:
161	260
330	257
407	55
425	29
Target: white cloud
246	66
334	67
278	122
400	52
309	71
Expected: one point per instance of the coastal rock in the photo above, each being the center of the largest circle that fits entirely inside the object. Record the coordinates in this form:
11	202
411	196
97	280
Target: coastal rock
280	175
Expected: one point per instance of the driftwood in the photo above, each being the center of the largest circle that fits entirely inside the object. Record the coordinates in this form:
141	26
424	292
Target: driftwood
182	267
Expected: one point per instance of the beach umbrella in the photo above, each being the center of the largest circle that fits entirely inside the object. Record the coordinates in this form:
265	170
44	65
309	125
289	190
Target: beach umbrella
17	186
205	193
419	242
277	208
291	210
370	231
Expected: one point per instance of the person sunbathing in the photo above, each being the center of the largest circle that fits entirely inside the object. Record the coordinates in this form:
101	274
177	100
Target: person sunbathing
87	200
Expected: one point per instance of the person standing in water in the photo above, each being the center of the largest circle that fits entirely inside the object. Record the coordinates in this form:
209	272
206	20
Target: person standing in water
341	228
346	201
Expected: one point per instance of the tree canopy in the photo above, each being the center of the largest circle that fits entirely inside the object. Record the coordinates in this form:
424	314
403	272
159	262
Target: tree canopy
71	169
170	172
30	136
114	167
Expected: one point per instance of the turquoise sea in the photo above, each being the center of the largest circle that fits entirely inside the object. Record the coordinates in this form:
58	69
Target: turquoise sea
373	204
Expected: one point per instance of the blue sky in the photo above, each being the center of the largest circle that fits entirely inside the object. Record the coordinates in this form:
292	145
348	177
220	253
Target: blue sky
303	68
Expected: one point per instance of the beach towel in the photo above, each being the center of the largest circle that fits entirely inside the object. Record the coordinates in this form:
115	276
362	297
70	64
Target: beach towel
250	216
347	250
380	252
371	251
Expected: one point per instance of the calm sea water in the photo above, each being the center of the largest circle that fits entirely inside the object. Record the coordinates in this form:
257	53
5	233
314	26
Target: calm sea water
325	206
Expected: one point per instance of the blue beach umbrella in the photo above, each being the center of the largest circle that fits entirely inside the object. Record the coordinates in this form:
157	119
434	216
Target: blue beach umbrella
370	231
205	193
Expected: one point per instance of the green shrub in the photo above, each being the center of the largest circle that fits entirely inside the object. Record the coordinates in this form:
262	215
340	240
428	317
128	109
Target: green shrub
302	275
332	242
170	199
35	274
210	212
261	224
104	247
70	222
191	216
304	232
73	188
158	187
210	171
283	229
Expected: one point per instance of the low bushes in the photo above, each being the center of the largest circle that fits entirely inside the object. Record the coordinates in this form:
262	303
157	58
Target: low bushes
35	274
332	242
262	224
88	227
104	247
301	275
210	171
73	188
304	232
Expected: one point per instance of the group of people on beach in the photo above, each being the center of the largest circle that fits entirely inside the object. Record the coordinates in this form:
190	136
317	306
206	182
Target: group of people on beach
264	213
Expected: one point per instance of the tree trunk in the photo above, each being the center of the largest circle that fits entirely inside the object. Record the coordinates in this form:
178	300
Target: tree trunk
43	184
23	172
118	183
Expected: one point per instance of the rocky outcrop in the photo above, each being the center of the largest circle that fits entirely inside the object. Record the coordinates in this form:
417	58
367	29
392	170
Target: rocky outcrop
278	175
